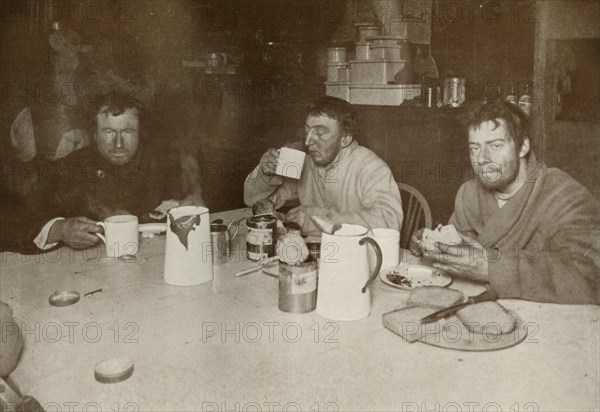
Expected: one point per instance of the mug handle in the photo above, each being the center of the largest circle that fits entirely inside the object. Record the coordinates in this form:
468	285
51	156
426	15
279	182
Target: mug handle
373	276
237	228
100	235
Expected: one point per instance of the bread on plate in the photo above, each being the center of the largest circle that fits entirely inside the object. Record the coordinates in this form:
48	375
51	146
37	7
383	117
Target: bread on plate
487	317
434	297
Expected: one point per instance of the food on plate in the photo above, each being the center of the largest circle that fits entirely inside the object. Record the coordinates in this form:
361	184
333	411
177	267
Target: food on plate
399	276
487	317
292	249
434	297
398	279
443	234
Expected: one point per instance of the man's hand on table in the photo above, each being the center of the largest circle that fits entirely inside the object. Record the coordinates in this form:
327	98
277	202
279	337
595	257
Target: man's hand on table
268	162
76	232
468	260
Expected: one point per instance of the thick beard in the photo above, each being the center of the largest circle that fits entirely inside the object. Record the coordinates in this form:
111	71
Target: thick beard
504	180
327	161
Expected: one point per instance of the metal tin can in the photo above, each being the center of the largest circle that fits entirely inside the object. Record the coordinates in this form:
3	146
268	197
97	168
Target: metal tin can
261	237
297	287
454	91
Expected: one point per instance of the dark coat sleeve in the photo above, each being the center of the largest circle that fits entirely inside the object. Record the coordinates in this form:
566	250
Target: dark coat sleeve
561	264
19	225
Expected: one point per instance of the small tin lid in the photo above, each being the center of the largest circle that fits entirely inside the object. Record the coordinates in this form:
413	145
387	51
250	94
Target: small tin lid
113	370
63	298
266	218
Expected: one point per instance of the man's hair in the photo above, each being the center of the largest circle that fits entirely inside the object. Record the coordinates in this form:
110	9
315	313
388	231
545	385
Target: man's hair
516	120
337	109
115	104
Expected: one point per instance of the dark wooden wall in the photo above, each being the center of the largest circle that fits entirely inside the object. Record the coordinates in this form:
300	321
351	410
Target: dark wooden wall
229	120
571	144
424	148
489	42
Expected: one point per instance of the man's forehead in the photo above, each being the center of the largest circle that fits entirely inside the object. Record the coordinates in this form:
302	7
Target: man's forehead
320	120
489	130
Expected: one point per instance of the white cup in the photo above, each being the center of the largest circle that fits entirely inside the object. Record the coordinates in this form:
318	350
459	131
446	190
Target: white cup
120	235
389	242
290	163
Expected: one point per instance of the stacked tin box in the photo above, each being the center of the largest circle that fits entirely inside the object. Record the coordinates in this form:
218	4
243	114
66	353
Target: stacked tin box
370	78
338	73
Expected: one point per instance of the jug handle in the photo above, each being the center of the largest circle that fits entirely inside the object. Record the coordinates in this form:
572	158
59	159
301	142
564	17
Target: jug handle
237	228
373	276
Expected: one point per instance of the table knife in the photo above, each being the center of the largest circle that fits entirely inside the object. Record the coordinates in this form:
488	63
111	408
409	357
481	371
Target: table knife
488	295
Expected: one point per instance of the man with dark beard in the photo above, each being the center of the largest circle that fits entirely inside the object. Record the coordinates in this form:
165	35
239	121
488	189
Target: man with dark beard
127	170
528	231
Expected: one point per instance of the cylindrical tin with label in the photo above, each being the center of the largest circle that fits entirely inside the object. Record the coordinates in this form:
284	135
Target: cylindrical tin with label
261	237
298	287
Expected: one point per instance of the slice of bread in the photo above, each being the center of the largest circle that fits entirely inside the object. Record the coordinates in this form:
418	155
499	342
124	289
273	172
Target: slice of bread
487	317
434	297
406	322
443	234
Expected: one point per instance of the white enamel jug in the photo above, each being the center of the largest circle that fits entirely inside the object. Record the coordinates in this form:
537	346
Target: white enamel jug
188	253
344	274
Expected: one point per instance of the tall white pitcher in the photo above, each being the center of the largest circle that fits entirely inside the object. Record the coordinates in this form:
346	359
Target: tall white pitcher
344	274
188	254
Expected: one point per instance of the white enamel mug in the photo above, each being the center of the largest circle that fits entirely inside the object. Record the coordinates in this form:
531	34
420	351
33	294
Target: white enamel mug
120	235
389	242
290	163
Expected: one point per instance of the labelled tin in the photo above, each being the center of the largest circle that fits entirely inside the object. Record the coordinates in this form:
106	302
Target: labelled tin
298	287
63	298
261	237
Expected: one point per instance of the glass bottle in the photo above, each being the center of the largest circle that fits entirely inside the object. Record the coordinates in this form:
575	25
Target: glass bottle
511	95
525	100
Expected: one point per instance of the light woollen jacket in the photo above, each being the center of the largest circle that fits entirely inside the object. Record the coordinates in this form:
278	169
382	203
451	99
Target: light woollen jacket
357	187
544	243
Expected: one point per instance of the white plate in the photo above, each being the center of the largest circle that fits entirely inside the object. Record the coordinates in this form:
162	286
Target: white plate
152	227
418	275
